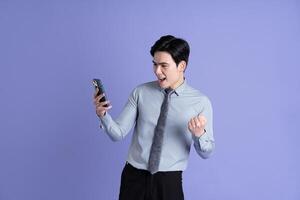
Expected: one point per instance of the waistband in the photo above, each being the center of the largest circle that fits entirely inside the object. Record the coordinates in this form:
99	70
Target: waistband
146	171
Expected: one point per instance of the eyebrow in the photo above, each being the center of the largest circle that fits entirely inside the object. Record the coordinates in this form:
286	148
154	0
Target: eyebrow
159	63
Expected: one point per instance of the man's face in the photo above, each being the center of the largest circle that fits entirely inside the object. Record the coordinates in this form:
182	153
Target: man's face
166	70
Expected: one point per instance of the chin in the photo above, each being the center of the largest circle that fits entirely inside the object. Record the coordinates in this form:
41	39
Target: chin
164	86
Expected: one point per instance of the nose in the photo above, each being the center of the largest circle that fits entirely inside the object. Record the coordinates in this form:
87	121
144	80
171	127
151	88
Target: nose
157	69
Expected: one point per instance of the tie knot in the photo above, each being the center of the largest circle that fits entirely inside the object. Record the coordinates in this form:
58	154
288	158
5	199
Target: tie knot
169	91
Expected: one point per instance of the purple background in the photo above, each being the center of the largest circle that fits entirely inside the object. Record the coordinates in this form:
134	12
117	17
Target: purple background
244	56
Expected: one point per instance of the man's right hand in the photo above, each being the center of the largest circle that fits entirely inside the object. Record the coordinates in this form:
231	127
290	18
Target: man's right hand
100	106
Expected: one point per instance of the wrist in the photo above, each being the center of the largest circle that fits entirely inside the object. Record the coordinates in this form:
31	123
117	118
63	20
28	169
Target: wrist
100	115
202	132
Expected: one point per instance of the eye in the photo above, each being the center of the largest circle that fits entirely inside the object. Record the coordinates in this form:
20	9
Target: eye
164	66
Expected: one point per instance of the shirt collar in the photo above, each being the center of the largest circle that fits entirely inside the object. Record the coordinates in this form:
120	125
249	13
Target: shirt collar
179	89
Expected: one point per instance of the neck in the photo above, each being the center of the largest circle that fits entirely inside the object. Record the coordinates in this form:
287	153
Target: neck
178	83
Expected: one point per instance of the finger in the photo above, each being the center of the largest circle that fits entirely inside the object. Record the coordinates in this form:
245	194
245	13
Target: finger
202	119
95	101
196	122
199	122
101	104
190	125
108	108
193	123
96	91
104	103
101	109
98	98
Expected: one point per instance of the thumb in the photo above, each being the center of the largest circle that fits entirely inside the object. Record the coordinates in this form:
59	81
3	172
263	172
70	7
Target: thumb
96	92
202	118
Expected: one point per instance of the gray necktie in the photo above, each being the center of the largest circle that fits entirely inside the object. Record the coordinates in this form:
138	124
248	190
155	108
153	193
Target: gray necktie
156	147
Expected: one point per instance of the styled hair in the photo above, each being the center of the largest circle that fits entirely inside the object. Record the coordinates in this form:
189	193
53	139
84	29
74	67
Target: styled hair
178	48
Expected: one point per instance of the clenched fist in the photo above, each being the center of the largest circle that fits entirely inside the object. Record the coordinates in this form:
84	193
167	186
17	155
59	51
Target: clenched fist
197	125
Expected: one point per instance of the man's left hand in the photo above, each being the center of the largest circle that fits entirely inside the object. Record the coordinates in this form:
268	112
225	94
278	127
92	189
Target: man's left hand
197	125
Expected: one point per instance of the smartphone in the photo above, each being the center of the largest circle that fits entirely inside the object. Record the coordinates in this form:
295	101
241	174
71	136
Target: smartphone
98	84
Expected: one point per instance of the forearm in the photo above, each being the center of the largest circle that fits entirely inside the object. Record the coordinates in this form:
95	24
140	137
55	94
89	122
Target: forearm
114	130
205	144
119	128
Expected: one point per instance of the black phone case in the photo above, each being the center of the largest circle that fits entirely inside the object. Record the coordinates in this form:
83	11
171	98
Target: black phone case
98	84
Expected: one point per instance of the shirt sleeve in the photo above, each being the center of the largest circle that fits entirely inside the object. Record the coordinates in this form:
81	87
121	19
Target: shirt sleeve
205	144
119	128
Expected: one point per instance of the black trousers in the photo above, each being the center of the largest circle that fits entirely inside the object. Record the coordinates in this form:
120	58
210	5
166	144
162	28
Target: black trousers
138	184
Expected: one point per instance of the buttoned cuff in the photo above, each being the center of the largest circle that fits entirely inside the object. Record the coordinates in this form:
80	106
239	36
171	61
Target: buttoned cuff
103	120
202	139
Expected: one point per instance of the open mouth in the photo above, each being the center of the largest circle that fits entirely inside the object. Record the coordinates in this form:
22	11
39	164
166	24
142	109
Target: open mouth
162	79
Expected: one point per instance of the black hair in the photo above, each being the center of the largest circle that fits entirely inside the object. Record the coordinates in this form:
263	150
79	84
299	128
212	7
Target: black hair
178	48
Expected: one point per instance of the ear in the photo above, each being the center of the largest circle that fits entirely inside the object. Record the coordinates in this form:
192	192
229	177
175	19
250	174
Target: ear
182	66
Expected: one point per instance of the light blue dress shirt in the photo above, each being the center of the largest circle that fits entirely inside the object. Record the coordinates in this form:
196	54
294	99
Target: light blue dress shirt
142	111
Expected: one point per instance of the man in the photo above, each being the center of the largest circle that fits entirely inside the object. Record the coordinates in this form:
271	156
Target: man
167	115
